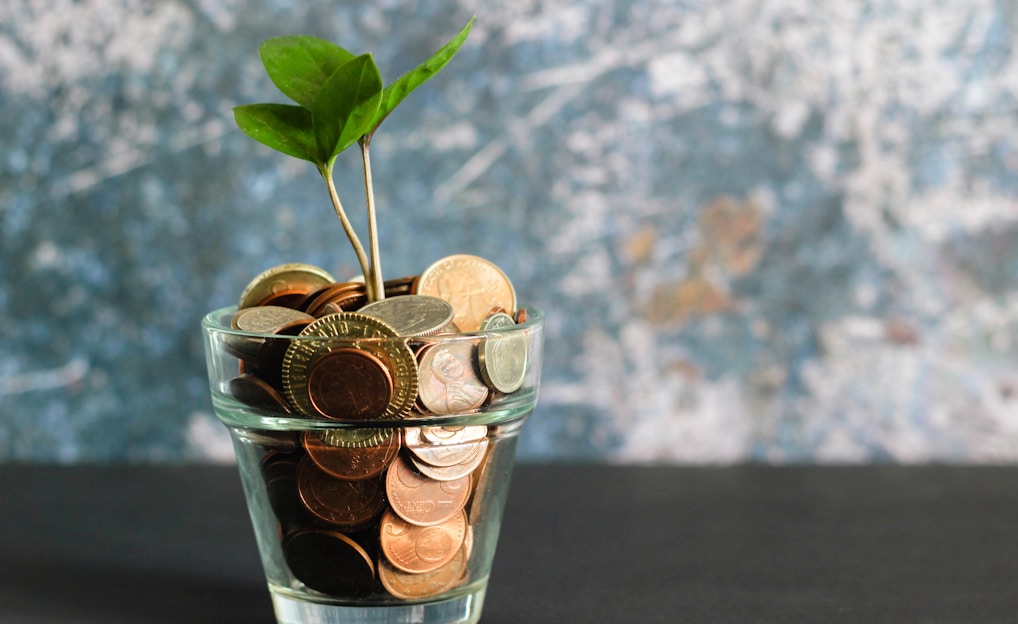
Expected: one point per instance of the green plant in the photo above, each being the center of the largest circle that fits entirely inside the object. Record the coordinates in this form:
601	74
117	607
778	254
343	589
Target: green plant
340	100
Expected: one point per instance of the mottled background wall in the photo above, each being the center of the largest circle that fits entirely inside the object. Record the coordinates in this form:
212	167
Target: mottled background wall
769	230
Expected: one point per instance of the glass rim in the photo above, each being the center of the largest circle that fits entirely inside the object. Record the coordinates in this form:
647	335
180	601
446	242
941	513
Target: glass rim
212	323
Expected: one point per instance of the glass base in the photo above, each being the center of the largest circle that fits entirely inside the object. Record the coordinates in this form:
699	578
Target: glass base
462	609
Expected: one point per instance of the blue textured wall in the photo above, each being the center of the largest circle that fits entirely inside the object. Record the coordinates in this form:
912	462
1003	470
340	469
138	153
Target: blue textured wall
774	230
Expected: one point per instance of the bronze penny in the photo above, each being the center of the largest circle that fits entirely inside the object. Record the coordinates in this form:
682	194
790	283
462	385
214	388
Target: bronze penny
258	393
349	462
344	294
269	362
483	479
312	296
286	283
344	503
421	500
471	284
418	549
349	383
269	439
448	383
279	471
329	562
423	585
351	330
399	286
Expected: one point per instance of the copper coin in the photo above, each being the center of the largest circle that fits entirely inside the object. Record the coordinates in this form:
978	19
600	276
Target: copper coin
448	383
346	462
311	296
418	549
284	283
269	439
329	562
268	364
485	481
279	471
399	286
349	383
454	450
344	503
258	393
521	316
423	585
343	294
351	330
421	500
471	284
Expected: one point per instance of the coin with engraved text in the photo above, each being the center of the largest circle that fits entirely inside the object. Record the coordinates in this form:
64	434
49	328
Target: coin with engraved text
418	549
421	500
471	284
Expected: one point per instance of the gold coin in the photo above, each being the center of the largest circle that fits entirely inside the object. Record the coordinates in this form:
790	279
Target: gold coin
283	282
351	330
502	357
354	437
418	549
471	284
448	383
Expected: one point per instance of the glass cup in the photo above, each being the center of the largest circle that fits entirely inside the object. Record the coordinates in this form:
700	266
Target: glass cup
375	492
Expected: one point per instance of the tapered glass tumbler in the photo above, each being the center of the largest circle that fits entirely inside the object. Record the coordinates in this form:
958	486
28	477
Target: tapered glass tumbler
375	469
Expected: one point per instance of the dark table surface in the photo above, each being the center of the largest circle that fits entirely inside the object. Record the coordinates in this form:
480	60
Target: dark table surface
160	545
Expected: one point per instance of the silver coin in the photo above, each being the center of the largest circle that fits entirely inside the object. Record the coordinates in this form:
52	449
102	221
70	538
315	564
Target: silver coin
502	357
453	434
412	315
443	454
456	471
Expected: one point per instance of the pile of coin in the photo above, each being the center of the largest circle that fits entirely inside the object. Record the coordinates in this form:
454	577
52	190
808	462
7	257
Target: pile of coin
394	516
376	508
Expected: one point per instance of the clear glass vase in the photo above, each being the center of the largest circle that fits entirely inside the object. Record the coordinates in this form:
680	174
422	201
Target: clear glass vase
375	469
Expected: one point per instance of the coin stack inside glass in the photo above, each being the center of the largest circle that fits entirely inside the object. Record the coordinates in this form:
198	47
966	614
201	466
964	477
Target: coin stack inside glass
374	508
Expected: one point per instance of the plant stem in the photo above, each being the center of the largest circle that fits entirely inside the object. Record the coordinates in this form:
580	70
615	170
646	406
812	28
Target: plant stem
376	261
326	171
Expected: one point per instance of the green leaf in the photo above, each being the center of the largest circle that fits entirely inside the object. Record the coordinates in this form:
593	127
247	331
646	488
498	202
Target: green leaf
300	65
288	129
395	93
346	106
